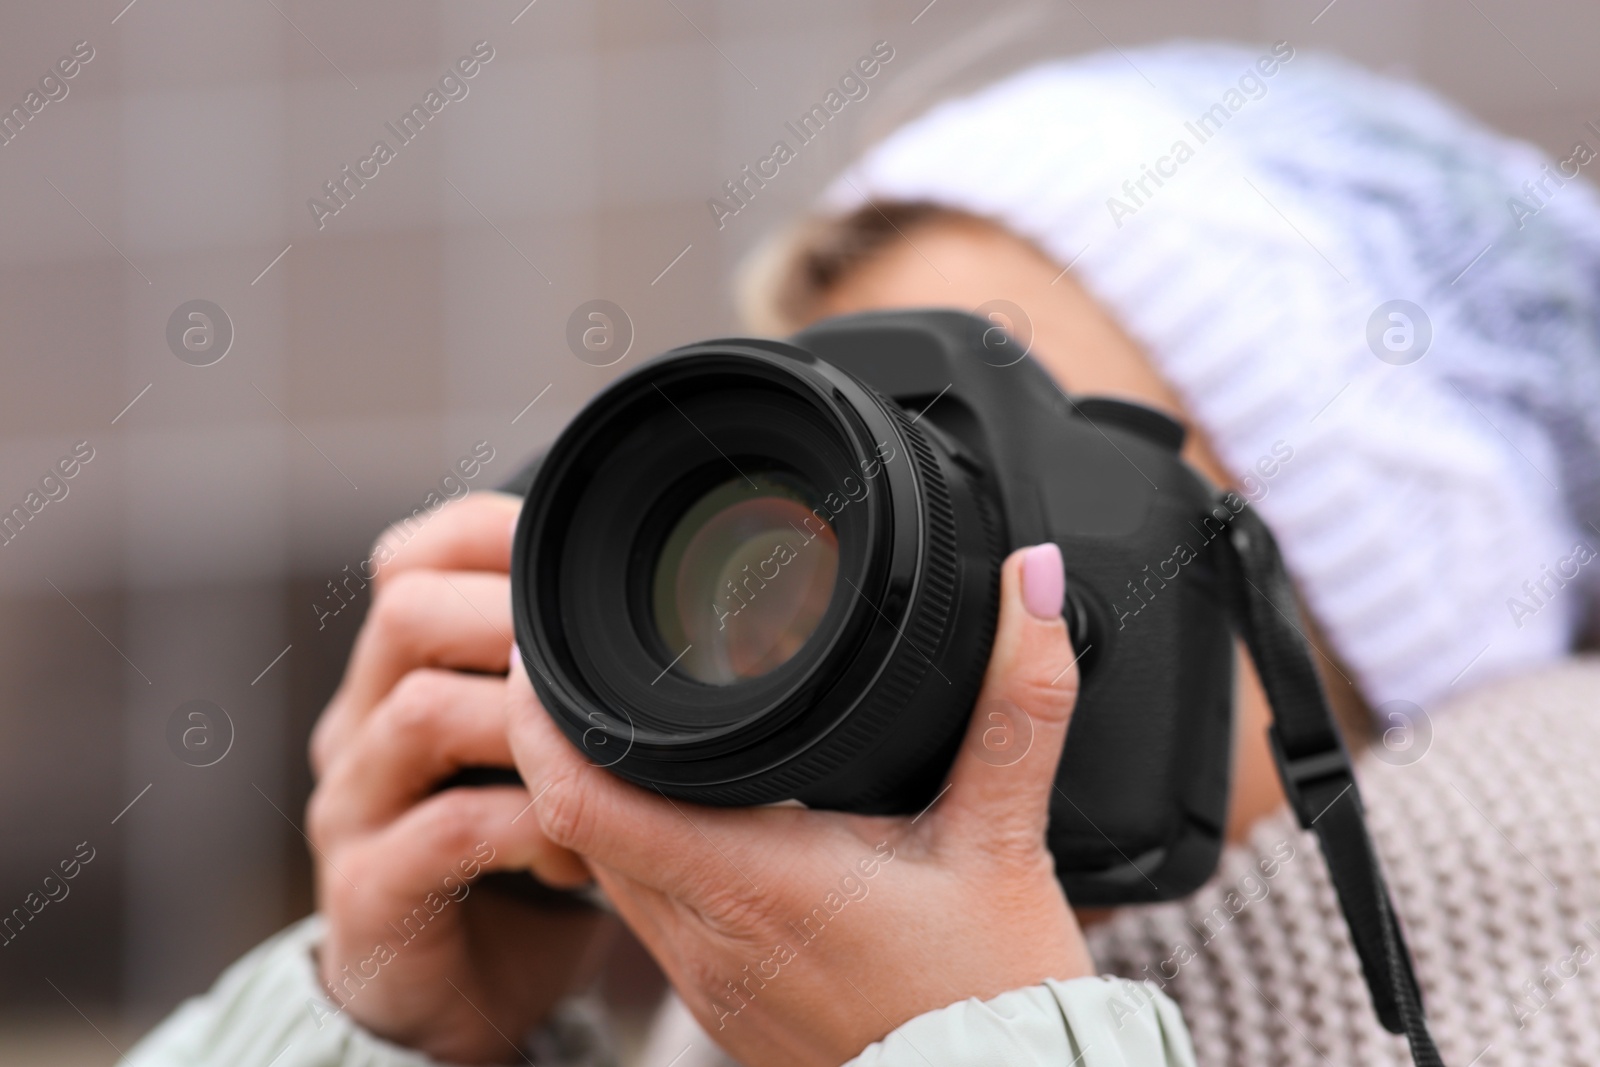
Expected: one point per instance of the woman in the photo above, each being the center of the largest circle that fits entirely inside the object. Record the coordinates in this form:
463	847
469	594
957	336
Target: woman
1244	285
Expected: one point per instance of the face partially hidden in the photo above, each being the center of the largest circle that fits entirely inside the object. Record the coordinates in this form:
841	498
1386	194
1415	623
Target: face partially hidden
963	263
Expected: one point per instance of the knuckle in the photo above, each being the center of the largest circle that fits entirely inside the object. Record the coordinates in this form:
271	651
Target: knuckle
385	549
1016	850
453	825
566	811
399	614
734	913
411	714
321	821
320	747
1044	694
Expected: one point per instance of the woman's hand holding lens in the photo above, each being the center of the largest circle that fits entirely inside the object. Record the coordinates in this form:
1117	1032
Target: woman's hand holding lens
800	937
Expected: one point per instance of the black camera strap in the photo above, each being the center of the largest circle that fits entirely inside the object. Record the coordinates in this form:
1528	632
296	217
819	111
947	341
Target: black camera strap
1318	779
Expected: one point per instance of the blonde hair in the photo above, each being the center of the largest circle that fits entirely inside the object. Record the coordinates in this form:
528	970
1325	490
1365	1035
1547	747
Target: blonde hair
780	286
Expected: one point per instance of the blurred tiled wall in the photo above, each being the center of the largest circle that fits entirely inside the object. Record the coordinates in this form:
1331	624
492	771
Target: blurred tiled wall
370	353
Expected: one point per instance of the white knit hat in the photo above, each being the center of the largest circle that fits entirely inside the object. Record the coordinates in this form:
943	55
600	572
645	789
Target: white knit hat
1251	263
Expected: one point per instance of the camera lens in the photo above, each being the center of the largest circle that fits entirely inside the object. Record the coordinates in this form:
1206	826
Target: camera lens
743	576
731	586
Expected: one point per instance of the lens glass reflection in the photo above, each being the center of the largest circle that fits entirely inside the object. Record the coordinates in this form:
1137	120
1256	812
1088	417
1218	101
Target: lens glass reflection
744	578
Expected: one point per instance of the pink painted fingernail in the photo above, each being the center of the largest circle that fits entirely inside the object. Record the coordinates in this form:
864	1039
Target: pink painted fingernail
1044	581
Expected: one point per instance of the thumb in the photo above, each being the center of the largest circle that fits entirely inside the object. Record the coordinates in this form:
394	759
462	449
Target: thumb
585	809
1000	786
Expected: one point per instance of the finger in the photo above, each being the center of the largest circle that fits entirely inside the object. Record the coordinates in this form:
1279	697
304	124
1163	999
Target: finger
459	620
685	850
473	533
1000	785
453	837
430	725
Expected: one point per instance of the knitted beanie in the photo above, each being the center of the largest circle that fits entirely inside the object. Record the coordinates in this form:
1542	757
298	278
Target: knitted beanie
1490	838
1340	266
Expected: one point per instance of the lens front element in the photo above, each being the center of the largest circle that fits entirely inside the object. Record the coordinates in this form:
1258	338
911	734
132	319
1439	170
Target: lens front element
743	578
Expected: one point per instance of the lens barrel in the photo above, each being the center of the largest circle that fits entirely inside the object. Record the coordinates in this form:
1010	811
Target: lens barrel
743	576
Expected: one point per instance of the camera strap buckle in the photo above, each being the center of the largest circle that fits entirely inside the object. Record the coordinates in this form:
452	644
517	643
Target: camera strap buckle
1310	777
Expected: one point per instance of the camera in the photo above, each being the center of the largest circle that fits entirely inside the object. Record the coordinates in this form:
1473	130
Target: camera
753	571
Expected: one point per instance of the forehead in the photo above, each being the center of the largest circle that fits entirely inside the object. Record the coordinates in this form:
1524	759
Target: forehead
942	261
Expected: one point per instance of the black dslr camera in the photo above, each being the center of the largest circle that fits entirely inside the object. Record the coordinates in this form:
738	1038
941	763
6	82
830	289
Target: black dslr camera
754	570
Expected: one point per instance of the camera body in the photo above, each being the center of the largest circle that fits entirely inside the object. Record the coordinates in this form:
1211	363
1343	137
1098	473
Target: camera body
1142	791
932	447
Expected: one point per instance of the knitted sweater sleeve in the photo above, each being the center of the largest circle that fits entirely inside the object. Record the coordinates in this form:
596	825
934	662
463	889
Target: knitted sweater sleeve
1087	1022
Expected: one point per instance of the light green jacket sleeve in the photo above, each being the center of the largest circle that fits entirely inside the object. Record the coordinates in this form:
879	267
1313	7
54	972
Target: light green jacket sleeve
1087	1022
269	1010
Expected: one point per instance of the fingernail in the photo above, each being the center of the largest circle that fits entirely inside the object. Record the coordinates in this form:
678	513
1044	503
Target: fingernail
516	658
1044	581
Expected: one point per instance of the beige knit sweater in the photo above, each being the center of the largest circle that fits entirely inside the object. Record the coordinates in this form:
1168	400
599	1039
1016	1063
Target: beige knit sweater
1491	841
